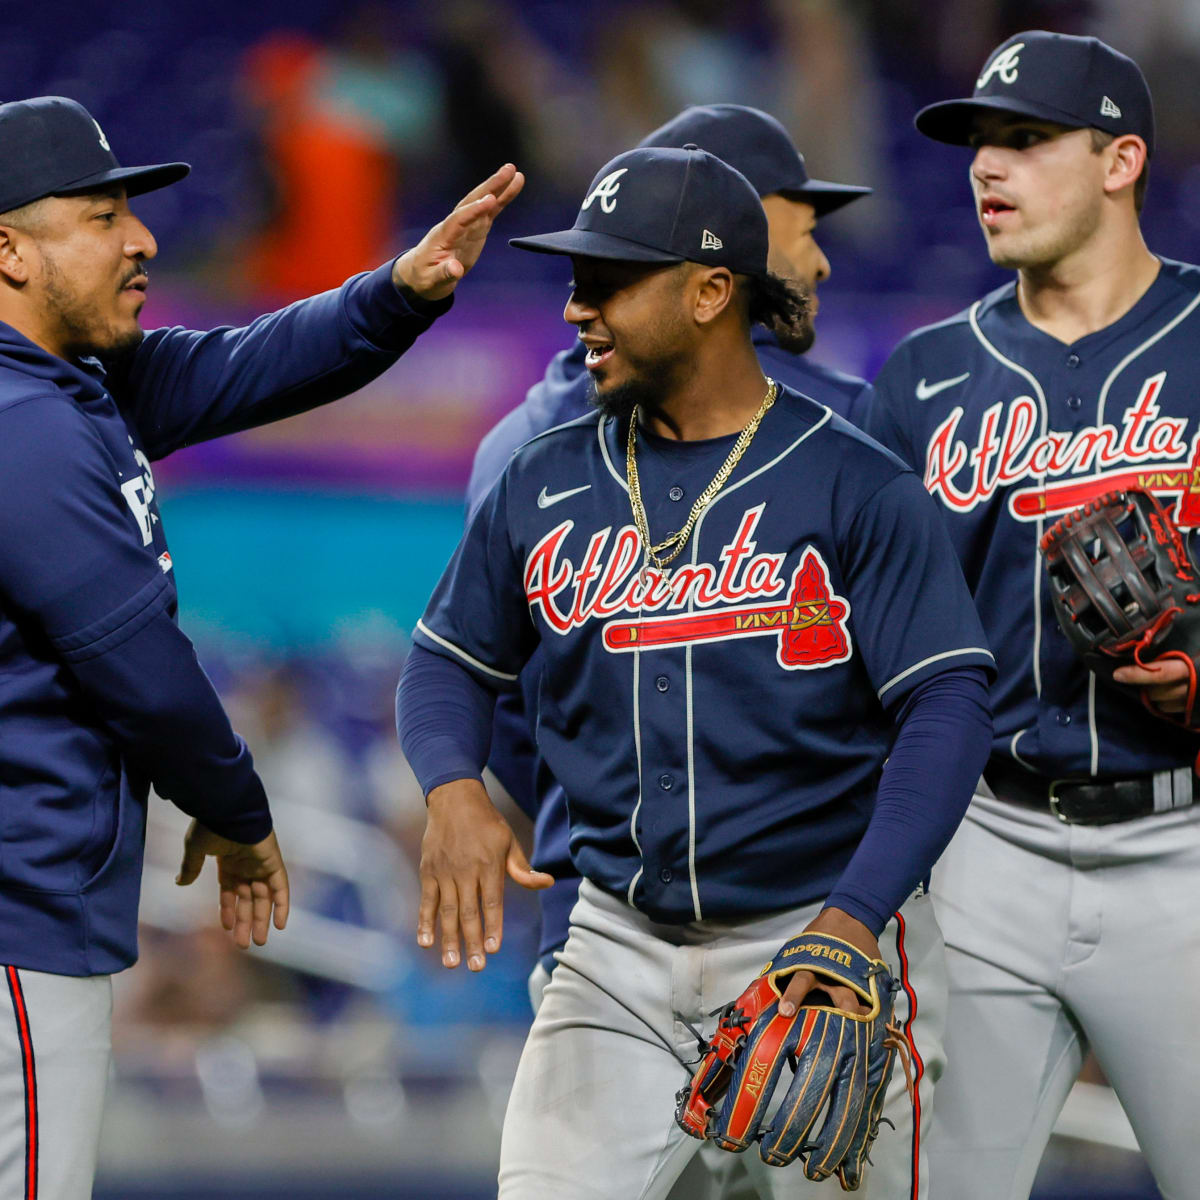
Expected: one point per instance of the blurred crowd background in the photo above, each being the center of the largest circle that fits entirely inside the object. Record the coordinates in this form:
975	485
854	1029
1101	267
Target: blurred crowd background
325	137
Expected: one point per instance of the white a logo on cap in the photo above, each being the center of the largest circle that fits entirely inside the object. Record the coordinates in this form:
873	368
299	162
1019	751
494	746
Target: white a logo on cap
100	135
710	241
1004	65
607	190
1108	108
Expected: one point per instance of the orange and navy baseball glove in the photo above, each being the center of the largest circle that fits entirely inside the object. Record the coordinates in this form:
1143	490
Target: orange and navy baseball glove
841	1063
1125	588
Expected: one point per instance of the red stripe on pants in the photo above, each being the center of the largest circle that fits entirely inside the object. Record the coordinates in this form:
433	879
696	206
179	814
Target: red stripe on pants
918	1063
30	1076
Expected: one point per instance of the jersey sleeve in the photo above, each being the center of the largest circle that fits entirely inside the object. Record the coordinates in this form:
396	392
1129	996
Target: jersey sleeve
183	386
911	613
73	568
885	414
478	613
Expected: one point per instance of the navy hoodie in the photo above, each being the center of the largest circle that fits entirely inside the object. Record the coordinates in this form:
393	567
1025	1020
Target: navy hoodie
101	694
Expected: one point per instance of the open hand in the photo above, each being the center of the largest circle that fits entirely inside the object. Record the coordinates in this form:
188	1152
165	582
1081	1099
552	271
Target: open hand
433	267
467	850
253	881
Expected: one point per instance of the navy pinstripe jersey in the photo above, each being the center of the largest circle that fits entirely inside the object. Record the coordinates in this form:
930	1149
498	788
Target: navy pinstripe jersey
719	729
1011	429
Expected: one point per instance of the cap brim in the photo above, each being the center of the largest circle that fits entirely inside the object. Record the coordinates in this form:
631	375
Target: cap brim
953	121
826	197
136	180
587	243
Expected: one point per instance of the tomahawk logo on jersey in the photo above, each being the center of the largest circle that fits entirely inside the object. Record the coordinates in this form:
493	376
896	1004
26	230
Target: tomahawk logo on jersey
1032	429
811	599
810	624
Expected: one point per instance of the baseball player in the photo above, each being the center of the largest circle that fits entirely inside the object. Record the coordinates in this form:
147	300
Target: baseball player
757	145
1068	893
744	607
100	693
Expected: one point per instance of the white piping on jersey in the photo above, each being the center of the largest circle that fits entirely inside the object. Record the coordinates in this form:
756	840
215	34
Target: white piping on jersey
691	746
1093	732
895	679
1139	350
1012	746
608	462
691	769
973	317
457	650
637	671
637	750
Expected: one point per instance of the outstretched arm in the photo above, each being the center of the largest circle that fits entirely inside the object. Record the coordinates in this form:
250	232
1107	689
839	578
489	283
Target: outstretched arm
183	386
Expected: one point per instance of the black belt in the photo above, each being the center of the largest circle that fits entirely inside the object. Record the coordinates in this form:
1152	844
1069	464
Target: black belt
1091	801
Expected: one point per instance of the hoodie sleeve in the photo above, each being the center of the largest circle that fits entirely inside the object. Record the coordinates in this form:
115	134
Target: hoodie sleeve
73	570
183	386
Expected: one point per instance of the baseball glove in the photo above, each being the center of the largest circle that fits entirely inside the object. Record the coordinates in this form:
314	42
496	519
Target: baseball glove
841	1063
1125	588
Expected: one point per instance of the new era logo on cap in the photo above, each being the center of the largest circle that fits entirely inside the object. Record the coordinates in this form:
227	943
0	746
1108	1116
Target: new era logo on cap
710	241
1108	108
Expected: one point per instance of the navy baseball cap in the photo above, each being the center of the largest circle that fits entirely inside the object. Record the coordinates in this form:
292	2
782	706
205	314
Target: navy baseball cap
756	144
53	146
1077	81
665	205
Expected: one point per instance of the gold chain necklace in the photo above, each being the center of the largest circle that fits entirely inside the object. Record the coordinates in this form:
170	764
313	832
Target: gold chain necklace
676	542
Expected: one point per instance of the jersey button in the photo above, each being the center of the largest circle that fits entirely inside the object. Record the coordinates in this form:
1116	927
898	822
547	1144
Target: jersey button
1073	360
676	493
665	875
666	782
1074	403
663	683
1063	718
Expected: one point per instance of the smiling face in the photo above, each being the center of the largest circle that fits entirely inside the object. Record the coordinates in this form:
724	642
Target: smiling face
634	321
82	273
1039	189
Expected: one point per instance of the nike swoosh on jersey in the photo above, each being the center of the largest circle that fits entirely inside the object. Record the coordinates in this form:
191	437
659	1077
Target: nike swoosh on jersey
925	391
545	501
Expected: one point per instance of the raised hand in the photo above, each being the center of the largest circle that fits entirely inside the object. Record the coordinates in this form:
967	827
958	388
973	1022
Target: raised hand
433	267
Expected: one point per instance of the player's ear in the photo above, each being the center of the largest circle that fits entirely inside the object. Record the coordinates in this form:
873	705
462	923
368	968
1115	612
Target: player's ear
14	267
713	289
1127	157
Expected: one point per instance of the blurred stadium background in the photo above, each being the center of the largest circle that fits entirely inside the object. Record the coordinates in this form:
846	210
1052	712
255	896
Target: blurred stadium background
325	136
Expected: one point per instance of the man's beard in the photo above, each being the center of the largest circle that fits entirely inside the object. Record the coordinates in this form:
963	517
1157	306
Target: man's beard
795	339
83	336
645	391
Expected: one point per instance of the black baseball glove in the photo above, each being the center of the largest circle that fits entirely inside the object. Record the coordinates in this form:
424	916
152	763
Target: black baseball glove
1126	588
